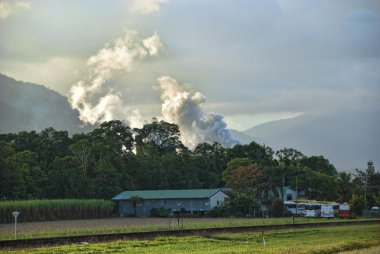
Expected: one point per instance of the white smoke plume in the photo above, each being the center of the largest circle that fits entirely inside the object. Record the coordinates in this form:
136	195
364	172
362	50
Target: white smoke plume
185	109
97	103
146	6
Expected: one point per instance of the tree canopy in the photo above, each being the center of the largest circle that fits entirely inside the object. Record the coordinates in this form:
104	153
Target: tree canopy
114	157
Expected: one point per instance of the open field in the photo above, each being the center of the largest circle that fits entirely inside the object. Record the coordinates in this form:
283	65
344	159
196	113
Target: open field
365	238
121	225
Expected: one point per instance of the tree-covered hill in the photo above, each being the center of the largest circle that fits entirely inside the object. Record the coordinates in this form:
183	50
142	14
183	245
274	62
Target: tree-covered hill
27	106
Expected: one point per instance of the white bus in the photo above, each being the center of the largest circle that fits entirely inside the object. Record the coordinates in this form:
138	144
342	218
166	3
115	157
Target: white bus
327	211
295	207
312	210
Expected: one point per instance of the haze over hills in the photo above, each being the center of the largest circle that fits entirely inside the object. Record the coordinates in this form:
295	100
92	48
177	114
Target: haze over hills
27	106
347	139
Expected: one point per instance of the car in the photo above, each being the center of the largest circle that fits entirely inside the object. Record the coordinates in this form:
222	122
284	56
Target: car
375	211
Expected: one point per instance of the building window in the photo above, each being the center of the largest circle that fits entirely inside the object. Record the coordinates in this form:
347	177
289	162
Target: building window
289	197
178	203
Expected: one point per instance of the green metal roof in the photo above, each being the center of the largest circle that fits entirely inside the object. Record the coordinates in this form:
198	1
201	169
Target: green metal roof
167	194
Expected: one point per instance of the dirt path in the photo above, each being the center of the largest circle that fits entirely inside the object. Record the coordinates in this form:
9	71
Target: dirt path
30	227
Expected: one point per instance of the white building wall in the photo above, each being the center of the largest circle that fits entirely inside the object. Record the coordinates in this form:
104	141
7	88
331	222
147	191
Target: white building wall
289	191
219	196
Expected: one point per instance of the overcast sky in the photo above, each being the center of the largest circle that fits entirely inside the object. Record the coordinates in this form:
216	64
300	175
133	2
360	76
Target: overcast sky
255	61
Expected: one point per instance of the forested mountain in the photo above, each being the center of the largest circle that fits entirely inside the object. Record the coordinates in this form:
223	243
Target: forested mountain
27	106
347	139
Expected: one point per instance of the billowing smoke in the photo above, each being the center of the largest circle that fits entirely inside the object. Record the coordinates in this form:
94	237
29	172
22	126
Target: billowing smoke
184	109
97	103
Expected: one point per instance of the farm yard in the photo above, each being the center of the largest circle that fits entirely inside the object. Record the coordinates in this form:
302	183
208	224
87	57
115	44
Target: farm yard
364	239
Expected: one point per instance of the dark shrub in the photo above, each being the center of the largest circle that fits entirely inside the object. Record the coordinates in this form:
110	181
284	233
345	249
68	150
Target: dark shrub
160	212
276	208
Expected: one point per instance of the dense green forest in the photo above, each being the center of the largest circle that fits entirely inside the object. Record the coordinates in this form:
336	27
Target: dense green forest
112	158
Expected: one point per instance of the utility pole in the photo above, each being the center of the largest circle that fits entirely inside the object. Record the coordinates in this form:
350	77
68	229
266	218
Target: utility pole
365	198
283	187
296	195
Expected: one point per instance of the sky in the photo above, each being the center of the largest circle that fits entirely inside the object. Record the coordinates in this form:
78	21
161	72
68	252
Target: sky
253	61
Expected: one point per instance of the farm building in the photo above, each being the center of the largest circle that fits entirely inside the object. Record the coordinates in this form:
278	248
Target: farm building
140	203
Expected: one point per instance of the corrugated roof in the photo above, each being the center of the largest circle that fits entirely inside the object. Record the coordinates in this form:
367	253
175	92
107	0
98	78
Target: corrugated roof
167	194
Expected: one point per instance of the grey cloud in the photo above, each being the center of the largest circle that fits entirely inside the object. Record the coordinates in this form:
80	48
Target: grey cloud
306	101
270	55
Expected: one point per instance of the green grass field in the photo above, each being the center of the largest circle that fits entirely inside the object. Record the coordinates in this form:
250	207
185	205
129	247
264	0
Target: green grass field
123	225
363	239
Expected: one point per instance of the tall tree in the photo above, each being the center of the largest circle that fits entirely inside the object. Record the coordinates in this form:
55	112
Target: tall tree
118	135
81	151
259	154
345	187
248	179
161	136
290	156
52	144
211	159
319	164
369	180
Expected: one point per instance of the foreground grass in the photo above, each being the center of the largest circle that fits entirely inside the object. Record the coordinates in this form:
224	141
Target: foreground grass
310	240
371	250
63	230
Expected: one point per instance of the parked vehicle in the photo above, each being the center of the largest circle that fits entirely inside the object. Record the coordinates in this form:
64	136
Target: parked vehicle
295	208
327	211
374	211
312	210
344	211
336	209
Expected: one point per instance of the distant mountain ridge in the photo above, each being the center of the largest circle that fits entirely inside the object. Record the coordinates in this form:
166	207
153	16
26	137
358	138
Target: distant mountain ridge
27	106
348	139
